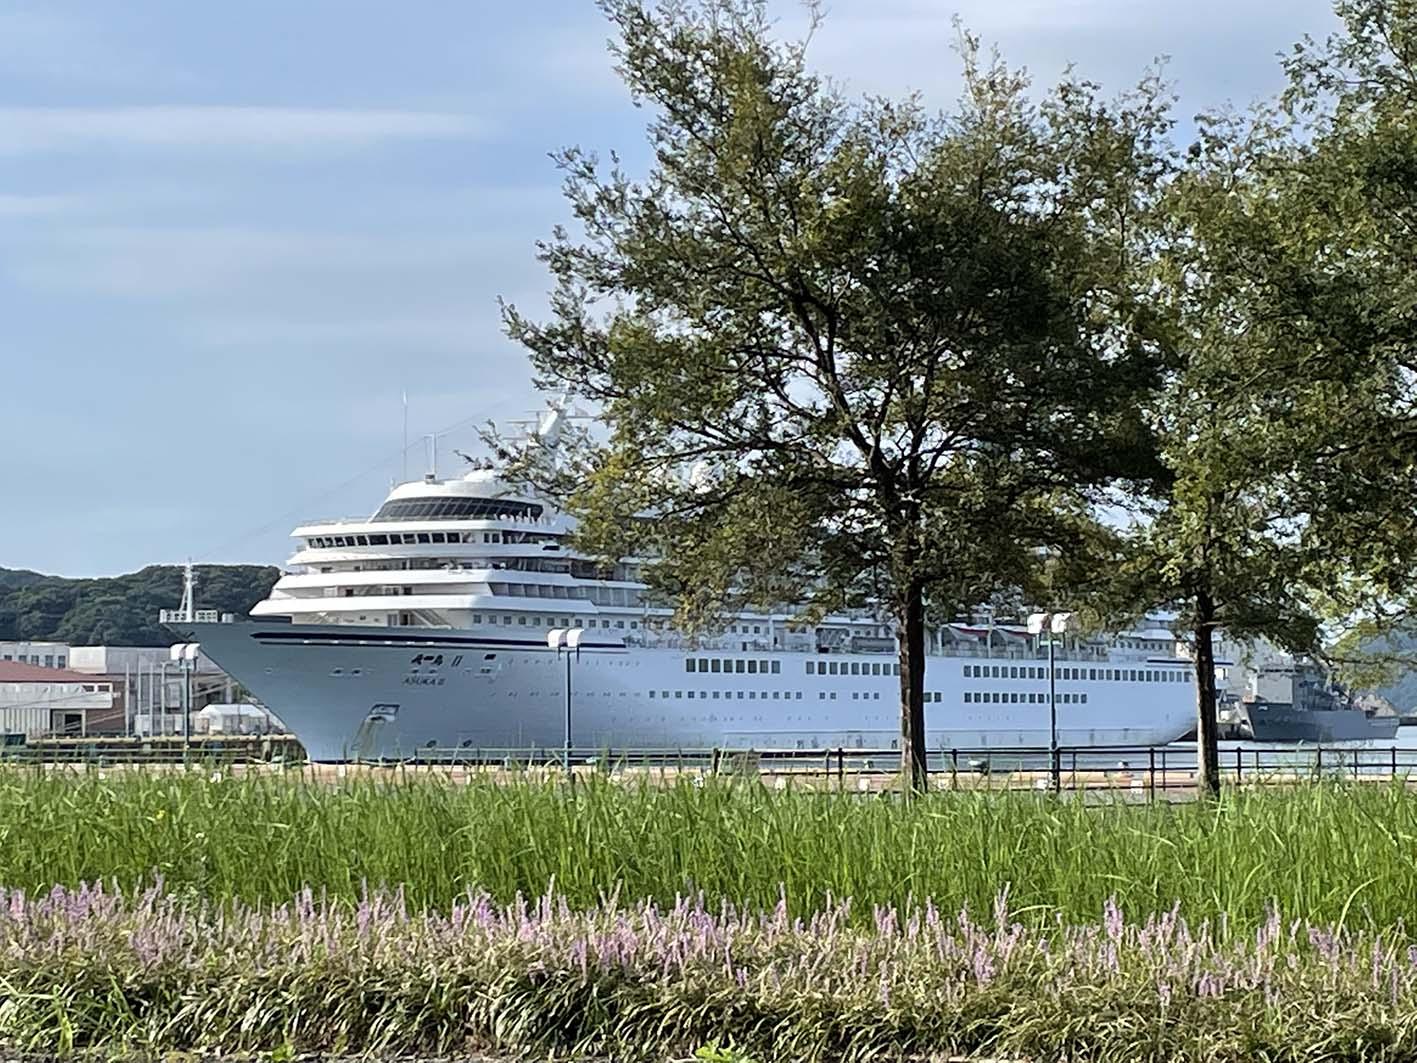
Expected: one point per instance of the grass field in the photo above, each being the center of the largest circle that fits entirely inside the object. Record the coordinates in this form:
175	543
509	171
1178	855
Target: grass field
1328	853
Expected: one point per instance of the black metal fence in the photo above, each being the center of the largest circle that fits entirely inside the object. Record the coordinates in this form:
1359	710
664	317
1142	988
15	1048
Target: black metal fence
1137	770
1147	769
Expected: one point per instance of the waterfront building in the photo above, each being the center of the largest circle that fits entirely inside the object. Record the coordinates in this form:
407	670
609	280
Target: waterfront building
40	654
36	702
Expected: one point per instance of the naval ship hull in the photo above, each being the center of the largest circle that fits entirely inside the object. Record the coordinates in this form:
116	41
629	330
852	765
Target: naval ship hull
1277	722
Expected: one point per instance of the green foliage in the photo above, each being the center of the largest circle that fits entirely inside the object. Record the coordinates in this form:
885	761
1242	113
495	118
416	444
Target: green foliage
1324	851
848	349
1285	285
121	610
1351	294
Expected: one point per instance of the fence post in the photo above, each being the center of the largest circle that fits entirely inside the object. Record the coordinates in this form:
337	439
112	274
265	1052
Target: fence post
840	769
1394	762
1318	760
1239	768
713	761
1151	773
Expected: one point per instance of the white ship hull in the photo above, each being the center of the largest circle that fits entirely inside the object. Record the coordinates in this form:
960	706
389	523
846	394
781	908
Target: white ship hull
348	691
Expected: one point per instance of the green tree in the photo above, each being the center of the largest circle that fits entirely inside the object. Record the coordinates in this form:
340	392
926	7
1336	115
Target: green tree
1288	286
1350	284
1221	534
850	352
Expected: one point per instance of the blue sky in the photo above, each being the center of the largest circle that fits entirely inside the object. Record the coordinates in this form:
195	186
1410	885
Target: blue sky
231	235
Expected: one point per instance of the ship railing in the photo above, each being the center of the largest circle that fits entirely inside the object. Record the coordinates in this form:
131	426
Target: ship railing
347	521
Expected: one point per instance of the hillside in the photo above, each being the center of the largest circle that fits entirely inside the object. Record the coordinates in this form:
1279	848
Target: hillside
120	610
1399	685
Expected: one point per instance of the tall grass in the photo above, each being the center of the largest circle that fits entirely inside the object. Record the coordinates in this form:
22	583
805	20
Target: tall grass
1329	853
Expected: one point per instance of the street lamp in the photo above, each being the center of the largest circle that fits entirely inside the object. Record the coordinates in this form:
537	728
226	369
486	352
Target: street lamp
1053	624
567	640
185	654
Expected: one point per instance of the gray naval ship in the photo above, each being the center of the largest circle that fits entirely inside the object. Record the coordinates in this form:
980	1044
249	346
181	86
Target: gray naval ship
1296	702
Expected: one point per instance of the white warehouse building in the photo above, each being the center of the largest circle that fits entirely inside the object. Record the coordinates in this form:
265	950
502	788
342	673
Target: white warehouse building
36	701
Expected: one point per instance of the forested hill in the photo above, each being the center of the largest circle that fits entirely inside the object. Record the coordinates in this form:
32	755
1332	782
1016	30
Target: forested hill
120	610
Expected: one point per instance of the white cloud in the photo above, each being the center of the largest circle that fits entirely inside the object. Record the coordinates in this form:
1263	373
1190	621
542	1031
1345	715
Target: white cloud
31	130
181	262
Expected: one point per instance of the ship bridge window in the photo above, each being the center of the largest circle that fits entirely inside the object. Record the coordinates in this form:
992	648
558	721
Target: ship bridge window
457	509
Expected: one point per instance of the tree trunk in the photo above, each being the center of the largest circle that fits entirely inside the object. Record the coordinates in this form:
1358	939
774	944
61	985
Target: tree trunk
1207	726
911	618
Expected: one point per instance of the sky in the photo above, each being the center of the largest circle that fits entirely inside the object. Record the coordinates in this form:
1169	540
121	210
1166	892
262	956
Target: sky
233	236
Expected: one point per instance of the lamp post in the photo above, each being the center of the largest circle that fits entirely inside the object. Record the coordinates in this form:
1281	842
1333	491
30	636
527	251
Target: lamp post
185	654
1053	624
567	641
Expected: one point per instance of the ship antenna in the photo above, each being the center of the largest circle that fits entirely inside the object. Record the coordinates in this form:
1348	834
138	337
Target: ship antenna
189	582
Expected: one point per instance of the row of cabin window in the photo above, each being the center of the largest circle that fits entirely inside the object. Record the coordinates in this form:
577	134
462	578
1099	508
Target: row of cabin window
852	668
728	695
1017	697
1014	671
552	621
457	509
325	542
822	695
736	667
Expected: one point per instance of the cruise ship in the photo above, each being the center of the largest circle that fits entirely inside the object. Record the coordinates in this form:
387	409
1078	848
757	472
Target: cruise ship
424	626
